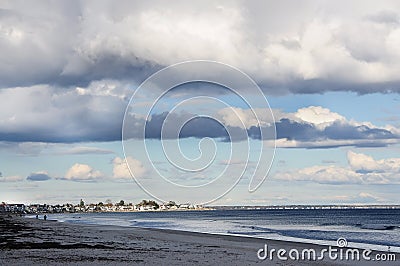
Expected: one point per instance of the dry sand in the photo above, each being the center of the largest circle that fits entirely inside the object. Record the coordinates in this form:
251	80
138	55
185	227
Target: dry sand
36	242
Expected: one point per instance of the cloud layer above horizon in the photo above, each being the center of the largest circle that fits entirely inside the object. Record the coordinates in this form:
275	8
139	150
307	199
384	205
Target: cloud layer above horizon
362	169
49	115
73	43
74	65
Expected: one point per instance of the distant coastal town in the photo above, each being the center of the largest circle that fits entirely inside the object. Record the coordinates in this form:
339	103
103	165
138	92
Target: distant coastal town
151	205
107	206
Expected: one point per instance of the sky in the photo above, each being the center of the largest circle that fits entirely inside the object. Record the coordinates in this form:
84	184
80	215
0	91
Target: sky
75	75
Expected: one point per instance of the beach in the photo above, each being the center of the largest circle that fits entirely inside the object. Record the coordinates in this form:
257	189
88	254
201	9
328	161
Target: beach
37	242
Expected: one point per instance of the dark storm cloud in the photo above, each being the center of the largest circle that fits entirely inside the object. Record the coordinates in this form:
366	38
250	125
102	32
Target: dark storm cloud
73	43
51	42
110	67
203	127
360	136
338	131
302	132
286	128
46	114
38	177
87	128
198	127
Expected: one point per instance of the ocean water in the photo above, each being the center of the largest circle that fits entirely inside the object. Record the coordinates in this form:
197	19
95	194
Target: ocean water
364	228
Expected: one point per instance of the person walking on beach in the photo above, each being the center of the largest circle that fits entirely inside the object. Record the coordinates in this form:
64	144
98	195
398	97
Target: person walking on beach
37	216
45	217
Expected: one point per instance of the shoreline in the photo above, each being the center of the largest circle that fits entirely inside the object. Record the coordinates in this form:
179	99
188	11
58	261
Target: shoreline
319	242
31	241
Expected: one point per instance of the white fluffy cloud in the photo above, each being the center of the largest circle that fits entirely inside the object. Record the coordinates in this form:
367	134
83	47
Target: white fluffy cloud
82	172
121	171
318	116
364	163
363	169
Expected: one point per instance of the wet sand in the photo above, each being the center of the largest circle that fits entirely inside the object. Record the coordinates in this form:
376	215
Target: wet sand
36	242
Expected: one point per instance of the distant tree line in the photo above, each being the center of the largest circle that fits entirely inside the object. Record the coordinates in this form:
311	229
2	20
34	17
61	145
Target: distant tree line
148	203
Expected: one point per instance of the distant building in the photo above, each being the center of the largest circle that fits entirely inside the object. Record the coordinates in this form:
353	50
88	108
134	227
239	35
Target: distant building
15	208
3	207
